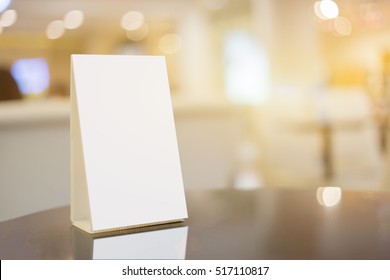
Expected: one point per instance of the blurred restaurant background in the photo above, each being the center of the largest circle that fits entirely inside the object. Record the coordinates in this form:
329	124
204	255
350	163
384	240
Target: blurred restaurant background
266	93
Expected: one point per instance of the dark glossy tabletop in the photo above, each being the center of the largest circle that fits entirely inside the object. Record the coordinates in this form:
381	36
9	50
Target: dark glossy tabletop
226	224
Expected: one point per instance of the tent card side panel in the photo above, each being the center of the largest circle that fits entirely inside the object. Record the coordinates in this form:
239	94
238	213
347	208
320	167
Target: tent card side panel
80	210
131	156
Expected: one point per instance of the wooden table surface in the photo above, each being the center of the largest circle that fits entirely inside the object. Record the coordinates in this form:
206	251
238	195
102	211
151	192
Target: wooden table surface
230	224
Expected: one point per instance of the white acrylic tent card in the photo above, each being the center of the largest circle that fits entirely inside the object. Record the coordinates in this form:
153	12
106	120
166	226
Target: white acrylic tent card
125	165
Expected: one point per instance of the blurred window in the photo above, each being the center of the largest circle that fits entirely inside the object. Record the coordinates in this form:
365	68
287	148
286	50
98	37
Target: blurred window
4	5
246	72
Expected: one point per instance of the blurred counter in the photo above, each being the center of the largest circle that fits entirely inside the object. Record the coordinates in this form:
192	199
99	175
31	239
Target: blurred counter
35	151
34	161
26	112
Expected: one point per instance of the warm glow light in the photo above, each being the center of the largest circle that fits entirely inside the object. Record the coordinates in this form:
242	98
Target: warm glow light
1	29
132	20
55	29
328	196
4	4
342	26
8	18
170	43
73	19
329	9
138	34
326	9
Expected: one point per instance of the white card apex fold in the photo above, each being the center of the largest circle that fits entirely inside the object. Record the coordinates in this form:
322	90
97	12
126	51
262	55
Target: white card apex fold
125	165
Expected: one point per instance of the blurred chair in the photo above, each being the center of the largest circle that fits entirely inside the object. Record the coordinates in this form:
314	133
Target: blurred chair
8	88
356	158
386	180
34	157
208	139
331	139
291	144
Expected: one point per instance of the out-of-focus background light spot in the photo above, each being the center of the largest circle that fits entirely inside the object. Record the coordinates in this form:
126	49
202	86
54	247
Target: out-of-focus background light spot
170	43
32	75
8	18
317	10
73	19
55	29
138	34
372	15
342	26
326	9
4	4
328	196
132	20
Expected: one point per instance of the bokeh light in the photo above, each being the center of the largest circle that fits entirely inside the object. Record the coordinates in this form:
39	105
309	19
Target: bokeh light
342	26
328	196
326	9
132	20
73	19
8	18
170	43
55	29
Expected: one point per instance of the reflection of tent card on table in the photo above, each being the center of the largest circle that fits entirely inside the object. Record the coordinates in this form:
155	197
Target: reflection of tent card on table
169	242
125	164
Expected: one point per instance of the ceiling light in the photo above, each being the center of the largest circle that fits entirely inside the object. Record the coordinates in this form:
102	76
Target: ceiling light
8	18
326	9
132	20
170	43
317	10
73	19
55	29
